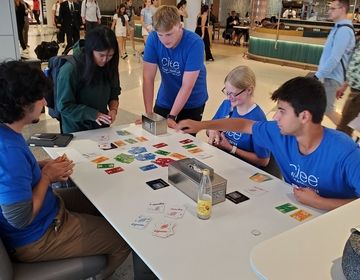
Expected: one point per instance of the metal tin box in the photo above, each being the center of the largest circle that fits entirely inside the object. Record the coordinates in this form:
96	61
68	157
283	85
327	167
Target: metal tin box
154	123
186	175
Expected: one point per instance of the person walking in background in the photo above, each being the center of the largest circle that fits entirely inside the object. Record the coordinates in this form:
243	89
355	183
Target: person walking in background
90	14
87	93
36	11
28	13
130	11
120	25
202	30
20	22
70	21
179	55
336	55
351	107
60	36
182	11
146	19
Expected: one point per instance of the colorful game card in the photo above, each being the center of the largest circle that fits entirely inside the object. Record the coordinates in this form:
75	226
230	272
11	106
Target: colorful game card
259	177
123	132
145	156
189	146
186	141
99	159
177	155
164	229
124	158
130	141
163	162
137	150
119	143
105	165
300	215
160	145
162	152
194	151
287	207
141	139
148	167
175	212
114	170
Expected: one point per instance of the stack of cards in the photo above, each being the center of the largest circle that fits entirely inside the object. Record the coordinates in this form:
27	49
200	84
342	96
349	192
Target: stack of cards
164	229
141	222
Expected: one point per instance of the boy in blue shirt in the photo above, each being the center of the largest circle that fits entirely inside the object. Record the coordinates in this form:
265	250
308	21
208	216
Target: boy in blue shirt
179	55
323	164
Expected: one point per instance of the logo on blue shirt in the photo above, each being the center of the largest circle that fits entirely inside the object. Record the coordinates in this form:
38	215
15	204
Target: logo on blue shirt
170	67
302	178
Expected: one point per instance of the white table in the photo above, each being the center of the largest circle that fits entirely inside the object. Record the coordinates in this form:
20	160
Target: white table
310	251
218	248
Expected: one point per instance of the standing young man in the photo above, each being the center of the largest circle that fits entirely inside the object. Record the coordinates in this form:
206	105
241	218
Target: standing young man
90	14
321	163
70	20
179	55
336	54
36	223
130	11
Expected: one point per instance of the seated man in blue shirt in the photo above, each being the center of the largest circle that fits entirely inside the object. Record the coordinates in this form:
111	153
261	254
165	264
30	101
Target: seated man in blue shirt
179	55
321	163
37	224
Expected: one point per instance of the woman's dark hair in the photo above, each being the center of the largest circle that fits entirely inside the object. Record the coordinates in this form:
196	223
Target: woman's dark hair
204	8
181	3
120	14
20	87
101	38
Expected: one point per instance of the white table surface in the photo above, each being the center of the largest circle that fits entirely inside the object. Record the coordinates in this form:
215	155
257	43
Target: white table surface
310	251
218	248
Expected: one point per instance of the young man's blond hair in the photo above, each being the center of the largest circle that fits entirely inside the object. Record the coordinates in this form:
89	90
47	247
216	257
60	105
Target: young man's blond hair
165	18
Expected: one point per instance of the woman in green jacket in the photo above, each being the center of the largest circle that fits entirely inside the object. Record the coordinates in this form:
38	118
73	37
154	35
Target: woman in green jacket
88	90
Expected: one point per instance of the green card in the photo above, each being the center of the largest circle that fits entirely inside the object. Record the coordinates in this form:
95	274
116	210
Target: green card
189	146
287	207
124	158
105	165
162	152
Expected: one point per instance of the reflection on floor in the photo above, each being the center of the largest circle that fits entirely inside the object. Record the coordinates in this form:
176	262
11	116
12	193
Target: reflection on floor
269	77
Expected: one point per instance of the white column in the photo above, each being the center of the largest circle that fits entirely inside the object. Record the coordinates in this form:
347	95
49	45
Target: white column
8	31
193	8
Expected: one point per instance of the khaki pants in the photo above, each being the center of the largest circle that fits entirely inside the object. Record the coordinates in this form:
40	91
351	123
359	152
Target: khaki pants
78	230
350	111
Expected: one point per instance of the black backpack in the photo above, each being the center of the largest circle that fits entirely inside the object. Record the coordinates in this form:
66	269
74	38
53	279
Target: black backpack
52	72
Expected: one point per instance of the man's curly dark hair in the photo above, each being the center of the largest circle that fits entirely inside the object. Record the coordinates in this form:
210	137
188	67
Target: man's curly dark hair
20	87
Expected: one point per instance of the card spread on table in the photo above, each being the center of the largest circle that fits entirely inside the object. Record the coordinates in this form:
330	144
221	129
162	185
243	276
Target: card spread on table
300	215
164	229
137	150
148	167
105	165
186	141
131	141
189	146
285	208
124	158
203	155
158	183
145	156
119	143
162	152
99	159
141	139
175	212
236	197
114	170
177	155
163	162
259	177
123	132
255	190
194	151
156	207
141	222
160	145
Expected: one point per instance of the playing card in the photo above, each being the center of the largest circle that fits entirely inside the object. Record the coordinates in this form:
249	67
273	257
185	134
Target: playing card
130	141
255	190
119	143
156	207
104	145
137	150
105	165
300	215
124	158
164	229
90	155
162	152
175	212
287	207
160	145
141	222
99	159
186	141
189	146
194	151
114	170
145	156
123	132
177	155
203	155
259	177
148	167
141	139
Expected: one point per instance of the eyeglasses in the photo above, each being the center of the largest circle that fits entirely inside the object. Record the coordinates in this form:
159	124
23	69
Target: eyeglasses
233	94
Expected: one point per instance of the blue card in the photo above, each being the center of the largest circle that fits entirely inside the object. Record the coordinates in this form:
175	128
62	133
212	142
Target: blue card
148	167
145	156
137	150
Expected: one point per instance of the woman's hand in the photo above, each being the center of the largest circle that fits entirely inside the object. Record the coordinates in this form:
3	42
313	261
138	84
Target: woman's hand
103	119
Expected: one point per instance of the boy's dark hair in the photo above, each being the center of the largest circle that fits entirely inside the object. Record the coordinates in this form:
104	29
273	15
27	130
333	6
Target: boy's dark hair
20	87
345	4
303	93
101	38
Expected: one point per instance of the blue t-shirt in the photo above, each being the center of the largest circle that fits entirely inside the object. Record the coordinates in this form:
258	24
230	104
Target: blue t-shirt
19	174
243	141
332	170
187	56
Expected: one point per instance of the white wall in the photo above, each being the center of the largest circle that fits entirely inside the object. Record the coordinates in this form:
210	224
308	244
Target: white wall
8	31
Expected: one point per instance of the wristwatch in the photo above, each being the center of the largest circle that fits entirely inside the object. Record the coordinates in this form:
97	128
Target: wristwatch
233	150
172	117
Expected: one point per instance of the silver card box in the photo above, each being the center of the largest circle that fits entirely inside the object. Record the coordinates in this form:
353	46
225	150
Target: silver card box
186	175
154	123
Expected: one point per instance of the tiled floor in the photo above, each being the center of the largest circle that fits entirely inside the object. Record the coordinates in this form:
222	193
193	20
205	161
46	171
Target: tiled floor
269	77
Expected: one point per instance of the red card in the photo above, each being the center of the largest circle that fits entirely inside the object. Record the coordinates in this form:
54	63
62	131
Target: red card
114	170
160	145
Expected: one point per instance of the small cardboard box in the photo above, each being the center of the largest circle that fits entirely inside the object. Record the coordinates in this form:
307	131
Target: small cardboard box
154	123
185	175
